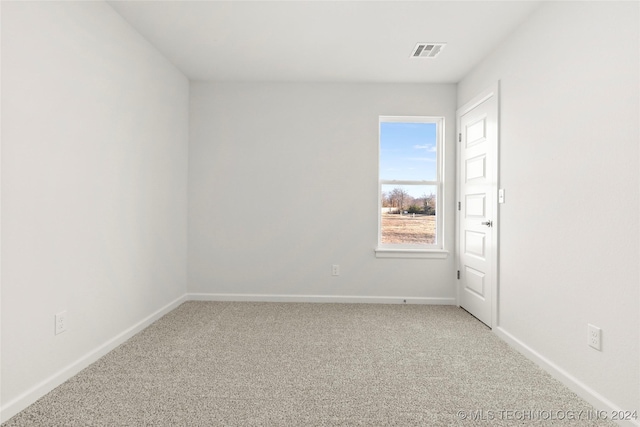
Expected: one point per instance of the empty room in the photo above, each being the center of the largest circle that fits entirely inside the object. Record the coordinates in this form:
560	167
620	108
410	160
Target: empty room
293	213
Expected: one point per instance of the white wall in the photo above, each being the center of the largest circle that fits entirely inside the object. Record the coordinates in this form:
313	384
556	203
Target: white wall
569	163
94	176
94	188
283	183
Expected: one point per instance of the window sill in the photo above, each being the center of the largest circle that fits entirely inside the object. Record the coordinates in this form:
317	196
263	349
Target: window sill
411	253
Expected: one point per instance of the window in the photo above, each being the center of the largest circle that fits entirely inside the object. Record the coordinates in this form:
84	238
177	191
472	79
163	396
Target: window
410	187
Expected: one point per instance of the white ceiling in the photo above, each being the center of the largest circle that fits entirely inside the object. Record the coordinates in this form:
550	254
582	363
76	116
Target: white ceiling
323	41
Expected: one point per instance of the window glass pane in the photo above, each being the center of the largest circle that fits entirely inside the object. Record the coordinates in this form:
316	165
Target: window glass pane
408	214
408	151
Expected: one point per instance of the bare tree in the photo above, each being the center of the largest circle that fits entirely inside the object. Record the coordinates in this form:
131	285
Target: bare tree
385	199
429	204
399	198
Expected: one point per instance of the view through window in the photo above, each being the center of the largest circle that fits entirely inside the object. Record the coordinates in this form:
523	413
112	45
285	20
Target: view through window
410	182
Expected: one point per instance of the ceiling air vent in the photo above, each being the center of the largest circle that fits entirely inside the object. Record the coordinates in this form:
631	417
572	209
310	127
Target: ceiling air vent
427	50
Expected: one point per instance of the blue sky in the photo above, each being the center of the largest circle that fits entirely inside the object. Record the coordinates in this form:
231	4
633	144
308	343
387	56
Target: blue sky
408	152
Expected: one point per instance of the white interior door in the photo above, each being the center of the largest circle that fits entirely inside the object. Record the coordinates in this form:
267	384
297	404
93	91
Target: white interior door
477	209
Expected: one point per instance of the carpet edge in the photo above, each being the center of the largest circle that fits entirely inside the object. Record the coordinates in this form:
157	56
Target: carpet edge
18	404
568	380
319	298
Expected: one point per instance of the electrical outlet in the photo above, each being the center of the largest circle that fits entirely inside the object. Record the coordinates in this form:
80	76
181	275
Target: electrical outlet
594	338
335	270
61	322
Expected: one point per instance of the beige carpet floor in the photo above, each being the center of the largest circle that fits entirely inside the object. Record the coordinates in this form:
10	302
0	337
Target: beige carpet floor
293	364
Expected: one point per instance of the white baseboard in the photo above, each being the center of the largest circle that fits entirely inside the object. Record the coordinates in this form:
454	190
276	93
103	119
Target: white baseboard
320	299
20	403
598	401
27	398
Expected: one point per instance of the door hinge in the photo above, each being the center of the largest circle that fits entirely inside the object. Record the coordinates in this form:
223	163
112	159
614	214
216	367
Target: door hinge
458	274
459	137
459	205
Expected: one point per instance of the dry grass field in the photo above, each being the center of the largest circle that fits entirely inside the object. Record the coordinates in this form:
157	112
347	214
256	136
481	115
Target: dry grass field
408	229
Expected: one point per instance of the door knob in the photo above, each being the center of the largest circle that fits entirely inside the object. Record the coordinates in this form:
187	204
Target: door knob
488	223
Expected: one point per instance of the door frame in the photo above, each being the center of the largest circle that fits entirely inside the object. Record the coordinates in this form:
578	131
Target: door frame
492	91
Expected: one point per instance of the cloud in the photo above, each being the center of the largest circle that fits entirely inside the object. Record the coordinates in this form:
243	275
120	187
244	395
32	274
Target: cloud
421	159
428	147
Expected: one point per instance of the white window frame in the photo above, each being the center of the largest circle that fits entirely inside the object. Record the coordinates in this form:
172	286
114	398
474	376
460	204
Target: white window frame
436	250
